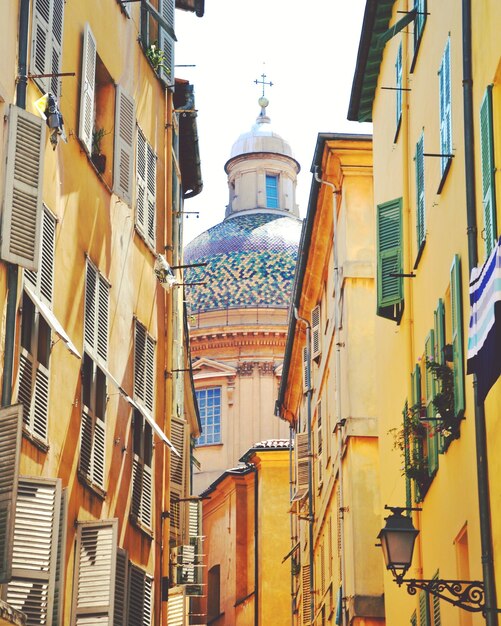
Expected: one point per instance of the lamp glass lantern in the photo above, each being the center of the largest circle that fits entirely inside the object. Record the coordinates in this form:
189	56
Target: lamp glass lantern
397	541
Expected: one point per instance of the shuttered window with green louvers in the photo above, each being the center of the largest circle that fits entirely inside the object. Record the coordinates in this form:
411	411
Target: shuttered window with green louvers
389	257
457	336
420	195
488	170
424	609
444	78
430	391
435	607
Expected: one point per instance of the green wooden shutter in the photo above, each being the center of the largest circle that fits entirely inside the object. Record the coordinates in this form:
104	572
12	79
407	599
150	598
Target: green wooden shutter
444	75
420	201
430	391
417	442
435	607
457	336
398	72
488	170
424	609
419	23
389	253
414	619
166	9
439	356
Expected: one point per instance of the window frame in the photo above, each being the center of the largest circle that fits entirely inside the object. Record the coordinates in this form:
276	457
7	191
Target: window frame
272	190
389	242
215	438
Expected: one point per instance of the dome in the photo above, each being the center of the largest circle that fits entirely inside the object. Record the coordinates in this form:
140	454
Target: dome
251	261
261	138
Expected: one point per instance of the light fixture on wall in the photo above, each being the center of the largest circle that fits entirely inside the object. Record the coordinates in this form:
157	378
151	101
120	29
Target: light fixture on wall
397	541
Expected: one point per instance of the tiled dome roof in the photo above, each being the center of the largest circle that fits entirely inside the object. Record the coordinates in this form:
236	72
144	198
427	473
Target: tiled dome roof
251	259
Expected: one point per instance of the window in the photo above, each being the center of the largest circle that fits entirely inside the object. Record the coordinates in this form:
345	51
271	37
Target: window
457	336
390	292
320	437
34	354
140	597
316	332
488	171
398	81
418	458
146	170
144	367
36	584
209	404
444	77
419	24
142	475
94	397
102	108
153	33
46	48
272	201
178	471
420	200
430	392
302	465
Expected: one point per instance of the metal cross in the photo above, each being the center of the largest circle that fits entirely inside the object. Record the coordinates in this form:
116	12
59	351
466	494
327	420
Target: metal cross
263	82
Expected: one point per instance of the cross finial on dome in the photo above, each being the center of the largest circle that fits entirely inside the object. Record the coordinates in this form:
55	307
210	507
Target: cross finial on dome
263	82
263	100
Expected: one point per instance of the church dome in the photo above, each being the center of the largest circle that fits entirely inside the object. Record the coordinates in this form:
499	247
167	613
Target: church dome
251	260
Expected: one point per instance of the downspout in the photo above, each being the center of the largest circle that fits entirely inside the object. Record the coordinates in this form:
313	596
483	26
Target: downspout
491	618
256	546
13	270
310	461
291	520
340	421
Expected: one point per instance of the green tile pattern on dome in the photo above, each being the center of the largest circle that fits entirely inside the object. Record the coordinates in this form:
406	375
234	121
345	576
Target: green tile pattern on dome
251	260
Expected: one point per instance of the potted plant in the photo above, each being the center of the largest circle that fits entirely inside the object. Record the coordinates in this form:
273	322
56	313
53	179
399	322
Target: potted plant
97	157
410	441
443	400
156	57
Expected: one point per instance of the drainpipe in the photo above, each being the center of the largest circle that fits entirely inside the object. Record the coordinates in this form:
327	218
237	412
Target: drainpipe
491	618
291	521
256	545
340	422
13	270
310	461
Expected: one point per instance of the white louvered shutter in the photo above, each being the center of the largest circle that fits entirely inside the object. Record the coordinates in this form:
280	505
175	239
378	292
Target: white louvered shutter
301	454
55	62
87	89
43	280
46	48
121	588
95	572
34	555
144	367
103	307
96	317
176	607
57	607
306	370
124	145
141	195
167	42
151	187
90	307
22	209
140	597
11	419
316	345
177	473
142	492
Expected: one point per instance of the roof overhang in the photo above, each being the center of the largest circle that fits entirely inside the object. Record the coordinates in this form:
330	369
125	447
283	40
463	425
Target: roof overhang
189	151
195	6
370	53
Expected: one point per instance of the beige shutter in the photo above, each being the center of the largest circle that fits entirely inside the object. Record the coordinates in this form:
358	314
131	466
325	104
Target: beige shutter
98	452
149	383
57	608
91	278
40	47
103	306
34	555
95	571
151	192
22	209
125	117
316	339
140	597
142	492
141	195
177	474
306	603
96	317
301	453
55	61
11	419
306	371
166	42
92	449
121	588
87	89
41	400
176	607
43	280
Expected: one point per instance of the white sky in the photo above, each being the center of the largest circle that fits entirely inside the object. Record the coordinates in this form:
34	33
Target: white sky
309	51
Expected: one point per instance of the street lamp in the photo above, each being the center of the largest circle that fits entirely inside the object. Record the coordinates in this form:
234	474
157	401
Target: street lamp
397	541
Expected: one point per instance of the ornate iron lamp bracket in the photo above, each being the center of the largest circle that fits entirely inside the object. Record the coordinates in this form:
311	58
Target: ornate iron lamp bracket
466	594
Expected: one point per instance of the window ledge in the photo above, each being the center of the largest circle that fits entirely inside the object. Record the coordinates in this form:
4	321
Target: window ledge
35	439
209	445
145	530
144	239
87	482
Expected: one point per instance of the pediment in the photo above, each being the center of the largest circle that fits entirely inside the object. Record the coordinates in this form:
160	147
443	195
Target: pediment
208	368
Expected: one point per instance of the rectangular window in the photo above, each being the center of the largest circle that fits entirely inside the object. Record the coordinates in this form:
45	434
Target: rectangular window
419	24
146	171
444	77
46	48
209	405
272	201
142	474
158	40
488	171
398	80
144	367
390	291
420	199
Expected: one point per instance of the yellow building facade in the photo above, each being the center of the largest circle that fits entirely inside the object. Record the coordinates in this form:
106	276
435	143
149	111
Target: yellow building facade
328	395
93	340
427	76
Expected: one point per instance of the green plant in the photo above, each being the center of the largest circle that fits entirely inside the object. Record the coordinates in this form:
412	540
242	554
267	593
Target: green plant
156	57
97	137
409	440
